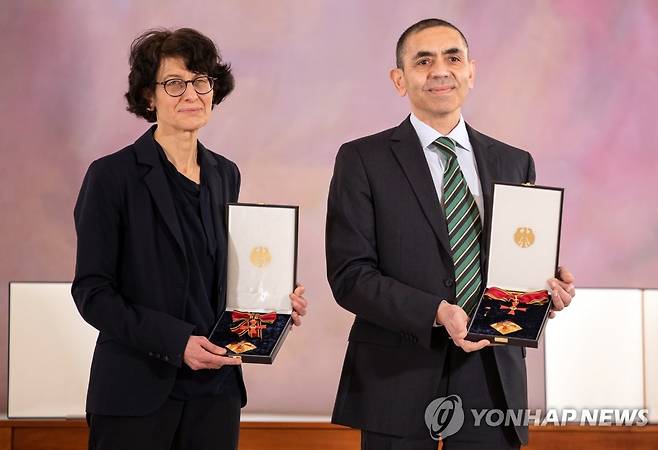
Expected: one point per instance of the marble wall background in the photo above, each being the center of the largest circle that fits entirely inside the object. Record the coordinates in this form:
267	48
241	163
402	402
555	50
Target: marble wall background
572	81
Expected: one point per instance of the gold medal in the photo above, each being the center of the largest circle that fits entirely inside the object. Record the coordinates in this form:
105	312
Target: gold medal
524	237
240	347
260	256
506	327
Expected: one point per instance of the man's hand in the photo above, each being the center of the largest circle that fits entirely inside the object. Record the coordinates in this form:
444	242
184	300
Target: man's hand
454	319
299	304
200	353
563	290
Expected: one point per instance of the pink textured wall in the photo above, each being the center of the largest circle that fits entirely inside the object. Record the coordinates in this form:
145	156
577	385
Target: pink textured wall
572	81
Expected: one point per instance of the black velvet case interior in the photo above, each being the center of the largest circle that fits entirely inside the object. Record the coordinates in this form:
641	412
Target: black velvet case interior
265	346
489	311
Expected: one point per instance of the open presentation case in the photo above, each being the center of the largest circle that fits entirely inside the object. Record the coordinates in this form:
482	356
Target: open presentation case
261	274
523	255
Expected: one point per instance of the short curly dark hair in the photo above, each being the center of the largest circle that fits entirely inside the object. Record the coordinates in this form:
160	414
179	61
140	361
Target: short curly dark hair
199	53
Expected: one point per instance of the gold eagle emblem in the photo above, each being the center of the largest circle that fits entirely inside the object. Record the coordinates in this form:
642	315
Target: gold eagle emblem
260	256
524	237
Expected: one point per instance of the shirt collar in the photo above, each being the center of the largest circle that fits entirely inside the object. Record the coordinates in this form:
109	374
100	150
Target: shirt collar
427	135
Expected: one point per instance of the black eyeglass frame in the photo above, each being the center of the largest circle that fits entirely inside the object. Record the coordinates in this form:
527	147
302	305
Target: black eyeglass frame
211	81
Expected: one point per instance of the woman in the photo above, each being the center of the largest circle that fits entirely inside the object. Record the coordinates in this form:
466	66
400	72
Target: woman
151	261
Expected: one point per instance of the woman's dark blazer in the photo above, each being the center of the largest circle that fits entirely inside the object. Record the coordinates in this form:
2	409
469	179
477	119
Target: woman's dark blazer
131	275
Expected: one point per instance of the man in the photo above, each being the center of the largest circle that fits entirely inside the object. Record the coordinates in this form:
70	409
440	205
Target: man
397	263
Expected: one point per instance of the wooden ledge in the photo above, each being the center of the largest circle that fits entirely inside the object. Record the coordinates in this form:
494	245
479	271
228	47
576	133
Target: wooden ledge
71	434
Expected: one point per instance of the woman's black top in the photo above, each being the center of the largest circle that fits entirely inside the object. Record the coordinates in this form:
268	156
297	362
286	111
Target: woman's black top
195	216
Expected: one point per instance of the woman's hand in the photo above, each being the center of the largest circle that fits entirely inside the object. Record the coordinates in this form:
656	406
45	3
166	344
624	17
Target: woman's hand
200	353
299	304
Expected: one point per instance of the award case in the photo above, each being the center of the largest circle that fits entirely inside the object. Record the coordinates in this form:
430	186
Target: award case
261	274
523	255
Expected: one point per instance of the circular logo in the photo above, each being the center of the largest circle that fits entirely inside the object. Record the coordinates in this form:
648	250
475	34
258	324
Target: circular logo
260	256
524	237
444	416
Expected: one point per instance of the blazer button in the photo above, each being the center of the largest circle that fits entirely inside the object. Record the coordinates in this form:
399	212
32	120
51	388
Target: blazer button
166	358
448	282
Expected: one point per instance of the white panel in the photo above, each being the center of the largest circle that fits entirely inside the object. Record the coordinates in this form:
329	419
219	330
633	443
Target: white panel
306	418
594	351
651	352
50	350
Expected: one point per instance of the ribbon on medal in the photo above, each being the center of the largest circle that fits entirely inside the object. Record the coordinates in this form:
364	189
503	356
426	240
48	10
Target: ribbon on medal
516	298
251	324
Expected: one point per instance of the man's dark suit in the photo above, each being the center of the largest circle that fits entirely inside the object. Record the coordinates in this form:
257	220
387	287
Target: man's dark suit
389	263
131	277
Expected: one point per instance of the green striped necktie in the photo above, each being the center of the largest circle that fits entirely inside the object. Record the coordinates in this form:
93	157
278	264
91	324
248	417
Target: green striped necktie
464	227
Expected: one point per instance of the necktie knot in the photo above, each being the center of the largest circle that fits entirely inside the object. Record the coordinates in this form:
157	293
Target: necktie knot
446	145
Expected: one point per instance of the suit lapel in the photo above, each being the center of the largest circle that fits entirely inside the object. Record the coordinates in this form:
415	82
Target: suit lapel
156	181
487	166
217	195
218	200
409	153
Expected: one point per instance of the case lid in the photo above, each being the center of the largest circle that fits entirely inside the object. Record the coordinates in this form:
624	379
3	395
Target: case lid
525	234
262	257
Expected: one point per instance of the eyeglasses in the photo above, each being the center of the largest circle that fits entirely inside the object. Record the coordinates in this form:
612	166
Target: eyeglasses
176	87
